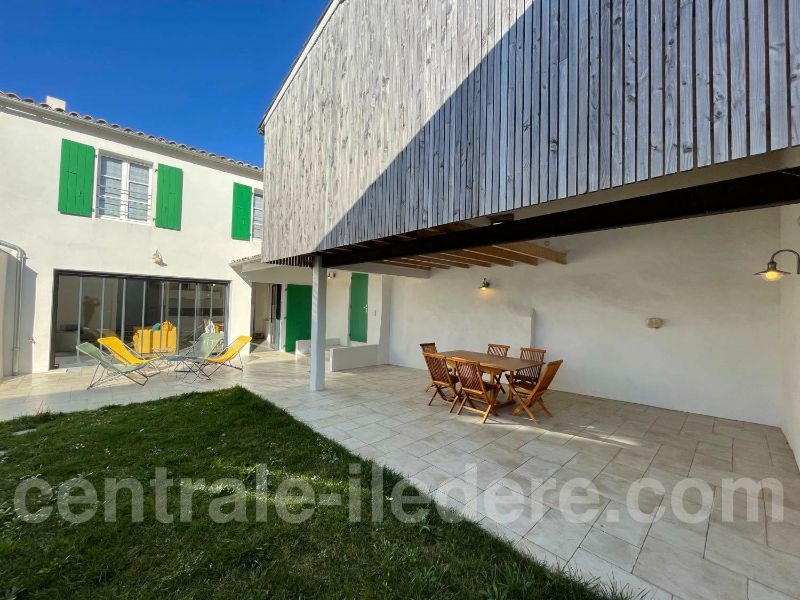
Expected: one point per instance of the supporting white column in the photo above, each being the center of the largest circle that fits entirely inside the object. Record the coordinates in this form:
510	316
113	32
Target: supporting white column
319	288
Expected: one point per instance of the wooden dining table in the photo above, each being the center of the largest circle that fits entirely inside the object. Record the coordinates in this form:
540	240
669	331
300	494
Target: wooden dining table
493	365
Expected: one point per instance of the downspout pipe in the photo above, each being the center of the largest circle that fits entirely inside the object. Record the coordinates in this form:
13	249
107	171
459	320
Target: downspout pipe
21	259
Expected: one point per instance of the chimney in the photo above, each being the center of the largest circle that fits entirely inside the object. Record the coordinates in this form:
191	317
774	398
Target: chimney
56	103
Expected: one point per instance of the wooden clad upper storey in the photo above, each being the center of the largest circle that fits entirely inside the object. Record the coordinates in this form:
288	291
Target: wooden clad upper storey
407	114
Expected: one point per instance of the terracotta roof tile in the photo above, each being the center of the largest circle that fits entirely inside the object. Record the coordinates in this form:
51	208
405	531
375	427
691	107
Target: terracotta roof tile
104	123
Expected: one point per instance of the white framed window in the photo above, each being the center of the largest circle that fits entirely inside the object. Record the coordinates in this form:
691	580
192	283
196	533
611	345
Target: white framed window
257	222
124	189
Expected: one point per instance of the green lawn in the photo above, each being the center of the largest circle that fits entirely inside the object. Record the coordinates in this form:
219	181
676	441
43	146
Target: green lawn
226	434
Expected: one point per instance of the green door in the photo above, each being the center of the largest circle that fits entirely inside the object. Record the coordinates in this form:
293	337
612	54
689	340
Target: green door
358	307
298	315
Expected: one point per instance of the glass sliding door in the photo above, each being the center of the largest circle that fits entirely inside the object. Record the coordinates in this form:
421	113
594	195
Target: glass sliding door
151	315
219	307
111	307
133	313
187	322
171	316
204	304
65	321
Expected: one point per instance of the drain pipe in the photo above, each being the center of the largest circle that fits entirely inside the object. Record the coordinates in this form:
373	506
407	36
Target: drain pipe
21	258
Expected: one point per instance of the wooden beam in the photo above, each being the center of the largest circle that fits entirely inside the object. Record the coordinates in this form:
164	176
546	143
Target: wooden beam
450	227
496	259
399	263
464	257
441	260
507	254
536	250
422	263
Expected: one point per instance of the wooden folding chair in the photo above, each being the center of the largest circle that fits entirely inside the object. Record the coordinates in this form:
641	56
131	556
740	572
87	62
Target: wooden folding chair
475	389
498	350
529	375
441	379
534	394
429	348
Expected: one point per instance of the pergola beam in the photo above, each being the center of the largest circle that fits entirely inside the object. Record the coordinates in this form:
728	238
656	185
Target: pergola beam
419	262
498	258
507	254
437	259
457	256
400	263
536	250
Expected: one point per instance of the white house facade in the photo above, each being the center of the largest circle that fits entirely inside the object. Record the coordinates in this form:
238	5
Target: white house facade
119	233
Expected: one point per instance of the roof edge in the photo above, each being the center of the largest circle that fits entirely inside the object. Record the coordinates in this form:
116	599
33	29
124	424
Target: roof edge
299	60
16	102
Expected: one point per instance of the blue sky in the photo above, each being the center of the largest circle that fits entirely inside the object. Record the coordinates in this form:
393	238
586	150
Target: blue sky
200	72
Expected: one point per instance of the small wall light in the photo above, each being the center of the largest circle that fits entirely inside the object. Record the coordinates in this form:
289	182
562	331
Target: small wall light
772	272
331	274
654	323
485	284
157	258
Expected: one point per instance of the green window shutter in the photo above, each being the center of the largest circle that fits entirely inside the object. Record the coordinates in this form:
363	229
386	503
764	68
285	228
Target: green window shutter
242	209
169	197
77	179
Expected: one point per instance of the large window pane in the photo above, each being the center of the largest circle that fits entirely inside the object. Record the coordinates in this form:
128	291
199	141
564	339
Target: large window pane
161	334
65	336
91	309
218	308
204	304
187	324
133	320
138	192
109	187
111	313
150	315
258	216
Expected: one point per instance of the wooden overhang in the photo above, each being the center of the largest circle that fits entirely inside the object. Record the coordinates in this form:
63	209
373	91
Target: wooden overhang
507	255
461	245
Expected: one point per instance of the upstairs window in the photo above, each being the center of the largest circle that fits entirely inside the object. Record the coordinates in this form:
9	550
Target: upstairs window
258	216
124	190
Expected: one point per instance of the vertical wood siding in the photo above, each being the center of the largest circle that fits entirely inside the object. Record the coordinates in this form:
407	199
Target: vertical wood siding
415	113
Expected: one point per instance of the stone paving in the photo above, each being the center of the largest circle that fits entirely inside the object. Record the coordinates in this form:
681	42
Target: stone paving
381	413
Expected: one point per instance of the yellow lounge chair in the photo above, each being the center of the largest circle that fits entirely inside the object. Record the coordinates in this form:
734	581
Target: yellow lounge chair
123	353
206	367
107	370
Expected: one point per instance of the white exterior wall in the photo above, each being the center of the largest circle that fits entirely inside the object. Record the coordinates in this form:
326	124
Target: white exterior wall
790	325
29	180
716	354
337	318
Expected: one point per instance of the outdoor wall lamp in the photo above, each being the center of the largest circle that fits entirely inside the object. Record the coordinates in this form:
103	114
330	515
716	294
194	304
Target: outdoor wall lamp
331	274
772	273
157	258
485	284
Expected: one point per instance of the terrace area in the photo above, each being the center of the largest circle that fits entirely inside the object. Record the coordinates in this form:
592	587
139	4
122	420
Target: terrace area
509	474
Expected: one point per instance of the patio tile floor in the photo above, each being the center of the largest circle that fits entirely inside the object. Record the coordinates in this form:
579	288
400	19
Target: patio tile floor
466	466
